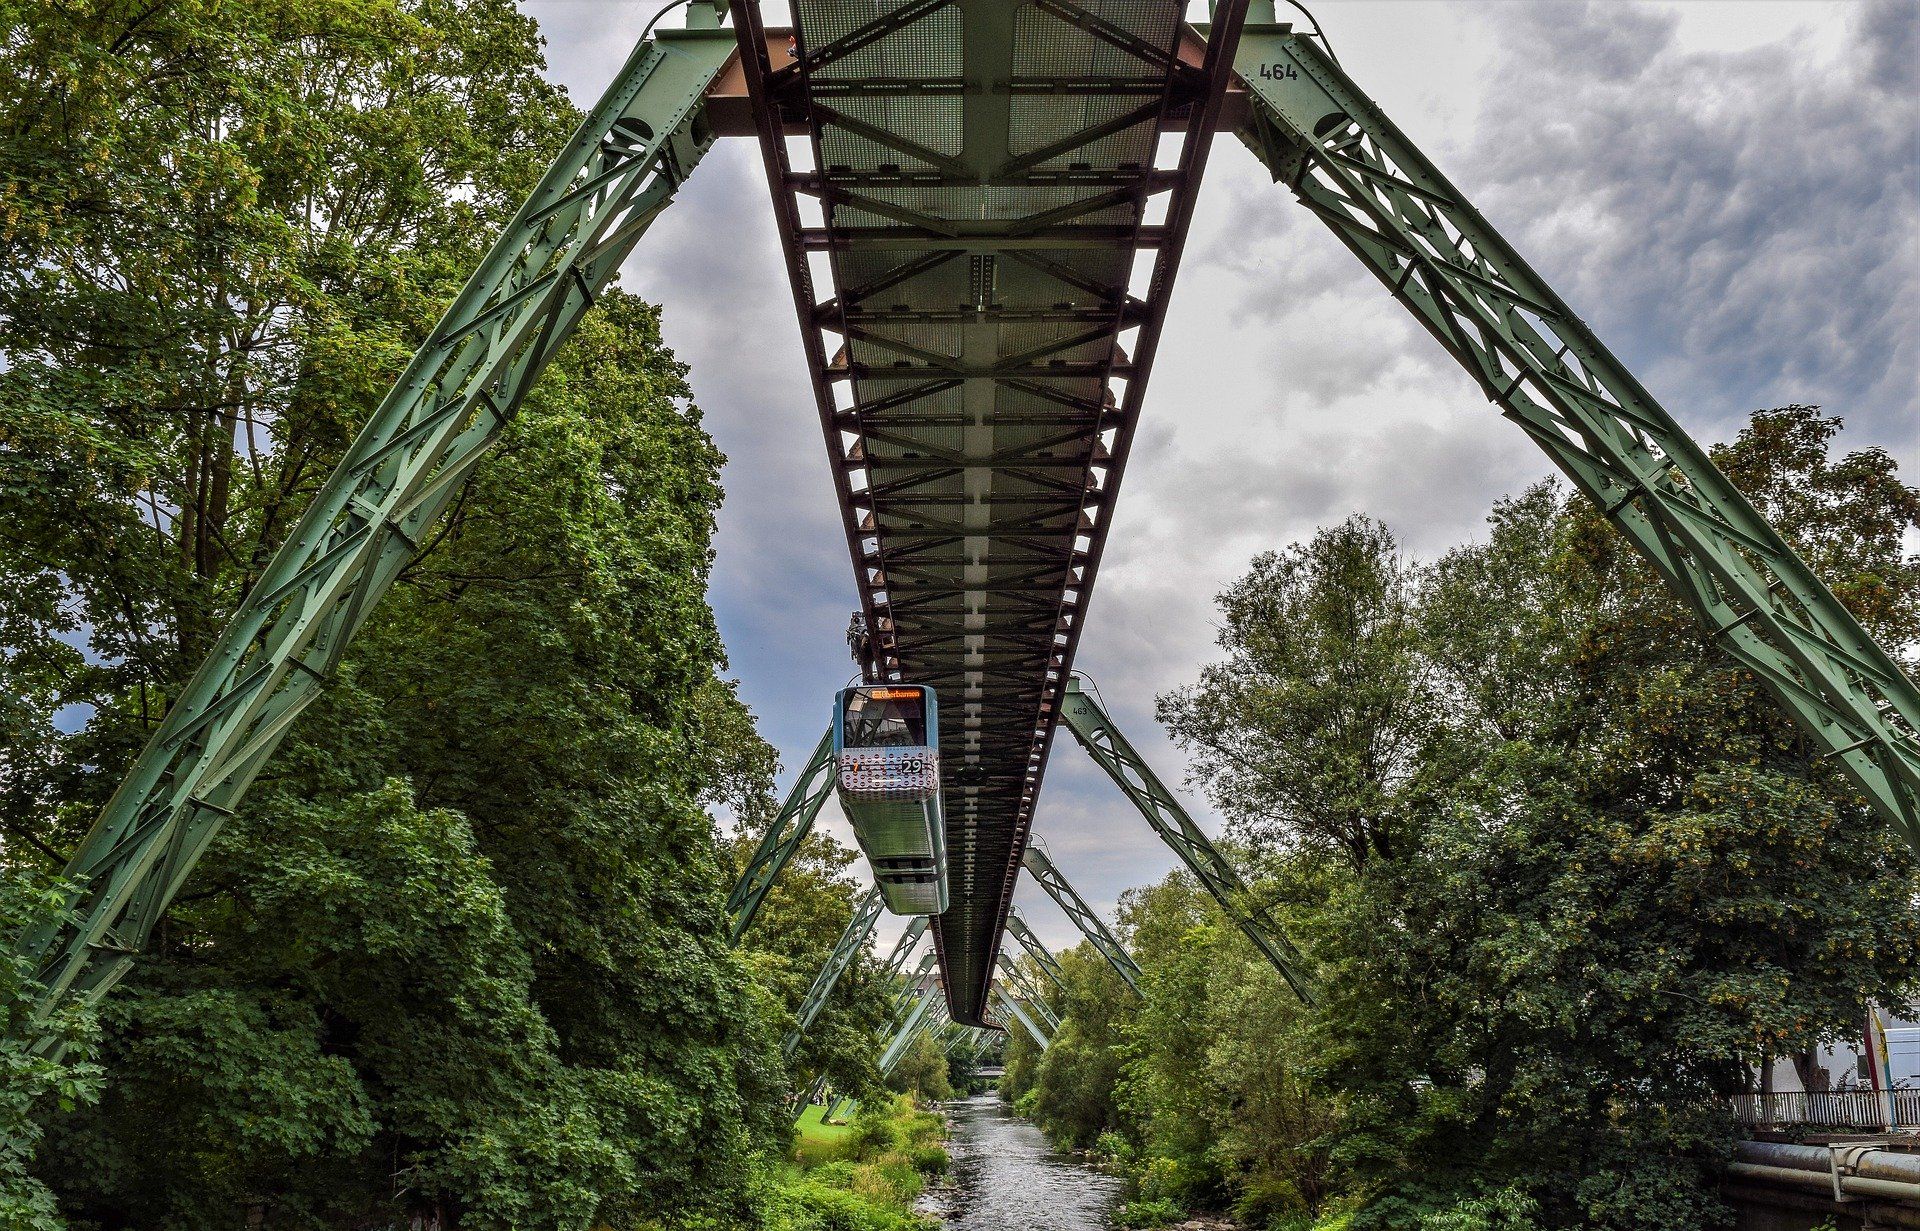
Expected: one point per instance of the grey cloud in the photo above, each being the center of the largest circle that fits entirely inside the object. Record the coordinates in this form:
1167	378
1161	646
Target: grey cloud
1742	227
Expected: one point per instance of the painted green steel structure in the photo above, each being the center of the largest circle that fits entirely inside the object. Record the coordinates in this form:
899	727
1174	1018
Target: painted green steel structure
789	829
1548	373
866	910
1168	817
897	1045
1013	978
981	173
619	171
1095	929
1042	958
983	170
1013	1009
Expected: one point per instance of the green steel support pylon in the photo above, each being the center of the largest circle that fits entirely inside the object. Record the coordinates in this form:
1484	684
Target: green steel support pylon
1023	987
1534	359
1104	742
903	999
897	1045
783	837
1084	917
411	460
903	948
866	909
1038	1035
1048	964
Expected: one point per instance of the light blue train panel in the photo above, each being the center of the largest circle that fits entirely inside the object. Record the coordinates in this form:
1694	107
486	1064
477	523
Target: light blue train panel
886	747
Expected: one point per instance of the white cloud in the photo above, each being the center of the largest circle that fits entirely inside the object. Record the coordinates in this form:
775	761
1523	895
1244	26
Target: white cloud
1725	188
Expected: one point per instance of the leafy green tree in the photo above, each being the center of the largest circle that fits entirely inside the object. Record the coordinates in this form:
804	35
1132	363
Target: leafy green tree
1616	874
805	912
1310	727
29	1079
1563	872
1075	1080
460	956
471	919
922	1070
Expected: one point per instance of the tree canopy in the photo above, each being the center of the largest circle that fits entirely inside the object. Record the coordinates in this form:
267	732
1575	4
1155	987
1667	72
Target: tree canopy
1564	874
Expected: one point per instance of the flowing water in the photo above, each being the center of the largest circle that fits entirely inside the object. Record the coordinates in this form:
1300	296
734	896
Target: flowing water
1007	1178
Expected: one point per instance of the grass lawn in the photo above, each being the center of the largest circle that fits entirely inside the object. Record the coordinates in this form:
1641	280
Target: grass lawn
818	1141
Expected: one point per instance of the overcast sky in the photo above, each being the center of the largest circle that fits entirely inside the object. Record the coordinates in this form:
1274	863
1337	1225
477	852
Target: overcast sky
1727	190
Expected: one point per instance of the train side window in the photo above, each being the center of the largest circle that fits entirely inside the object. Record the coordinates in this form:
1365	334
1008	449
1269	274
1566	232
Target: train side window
885	718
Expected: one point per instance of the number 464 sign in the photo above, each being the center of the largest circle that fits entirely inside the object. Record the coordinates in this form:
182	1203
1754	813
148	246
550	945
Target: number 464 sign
1279	72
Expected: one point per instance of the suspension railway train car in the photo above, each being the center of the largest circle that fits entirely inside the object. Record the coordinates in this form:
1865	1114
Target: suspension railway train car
886	747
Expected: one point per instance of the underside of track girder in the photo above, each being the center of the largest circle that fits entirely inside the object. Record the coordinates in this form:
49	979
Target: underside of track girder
985	187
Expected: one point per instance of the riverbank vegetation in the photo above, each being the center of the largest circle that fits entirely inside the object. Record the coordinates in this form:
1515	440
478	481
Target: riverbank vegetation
1563	873
460	958
863	1175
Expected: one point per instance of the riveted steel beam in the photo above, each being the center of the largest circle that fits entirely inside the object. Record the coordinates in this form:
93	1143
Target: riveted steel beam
1044	959
1168	818
927	1005
783	837
866	909
412	458
1013	977
1012	1006
1104	942
980	274
1548	373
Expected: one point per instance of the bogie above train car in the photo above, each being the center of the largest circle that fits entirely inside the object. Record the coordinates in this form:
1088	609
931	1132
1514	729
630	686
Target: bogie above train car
886	747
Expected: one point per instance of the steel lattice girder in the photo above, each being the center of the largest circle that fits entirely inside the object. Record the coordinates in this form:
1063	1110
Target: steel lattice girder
981	172
1090	924
866	910
903	999
1015	978
1048	964
789	829
409	462
1019	1014
1547	372
1164	812
903	948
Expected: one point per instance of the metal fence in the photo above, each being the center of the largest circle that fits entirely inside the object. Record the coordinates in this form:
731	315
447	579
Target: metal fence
1838	1109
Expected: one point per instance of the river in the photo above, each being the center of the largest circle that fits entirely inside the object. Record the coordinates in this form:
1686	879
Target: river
1007	1178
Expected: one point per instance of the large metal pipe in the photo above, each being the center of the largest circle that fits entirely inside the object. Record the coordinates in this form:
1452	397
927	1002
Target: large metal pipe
1862	1170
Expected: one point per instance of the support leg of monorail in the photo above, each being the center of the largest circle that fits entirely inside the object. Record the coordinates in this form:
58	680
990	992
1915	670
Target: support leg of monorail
409	463
1090	924
903	998
1017	980
903	1035
866	909
1103	741
1042	957
903	948
789	829
1539	363
1039	1036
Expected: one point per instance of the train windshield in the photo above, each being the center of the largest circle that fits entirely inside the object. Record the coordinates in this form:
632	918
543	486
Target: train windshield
885	718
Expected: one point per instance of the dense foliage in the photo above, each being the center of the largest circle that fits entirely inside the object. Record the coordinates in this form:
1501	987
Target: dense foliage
460	956
862	1175
1565	873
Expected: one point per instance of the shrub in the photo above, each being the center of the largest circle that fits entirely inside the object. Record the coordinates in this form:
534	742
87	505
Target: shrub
1159	1212
872	1132
1268	1200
